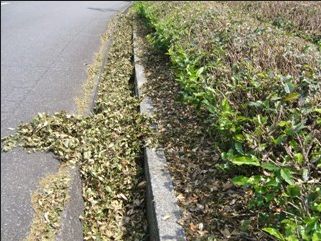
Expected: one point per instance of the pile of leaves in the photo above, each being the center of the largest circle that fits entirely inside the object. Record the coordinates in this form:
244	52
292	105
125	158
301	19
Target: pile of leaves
106	145
259	89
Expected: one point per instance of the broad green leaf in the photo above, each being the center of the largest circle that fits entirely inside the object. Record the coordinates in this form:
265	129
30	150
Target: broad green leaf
224	156
294	145
308	67
291	238
286	175
258	104
238	147
289	87
244	160
108	189
225	105
316	236
292	96
313	196
255	180
262	147
298	157
293	190
273	182
199	71
279	140
239	137
274	232
270	166
242	118
240	180
283	123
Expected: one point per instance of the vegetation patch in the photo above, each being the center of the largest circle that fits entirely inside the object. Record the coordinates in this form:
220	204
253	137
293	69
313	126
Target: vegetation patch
106	145
257	92
301	18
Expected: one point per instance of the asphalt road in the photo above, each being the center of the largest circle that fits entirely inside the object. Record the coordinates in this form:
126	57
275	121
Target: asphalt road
44	46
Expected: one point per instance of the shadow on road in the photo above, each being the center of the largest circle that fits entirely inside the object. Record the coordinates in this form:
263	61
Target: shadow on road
103	9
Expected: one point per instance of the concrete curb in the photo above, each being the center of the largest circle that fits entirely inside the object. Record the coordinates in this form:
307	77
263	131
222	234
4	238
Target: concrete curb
94	91
71	226
162	210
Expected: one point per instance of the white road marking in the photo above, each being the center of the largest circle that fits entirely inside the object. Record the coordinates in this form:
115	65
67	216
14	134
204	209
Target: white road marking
4	3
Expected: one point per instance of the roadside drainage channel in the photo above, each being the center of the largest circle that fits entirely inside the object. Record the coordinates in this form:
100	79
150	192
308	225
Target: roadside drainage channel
163	212
71	226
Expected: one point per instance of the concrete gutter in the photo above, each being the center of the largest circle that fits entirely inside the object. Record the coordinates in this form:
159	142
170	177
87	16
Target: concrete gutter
162	210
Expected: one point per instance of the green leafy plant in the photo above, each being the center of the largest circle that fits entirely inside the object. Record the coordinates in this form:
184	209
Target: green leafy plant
261	88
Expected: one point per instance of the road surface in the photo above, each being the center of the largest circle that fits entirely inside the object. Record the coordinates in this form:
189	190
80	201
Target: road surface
44	46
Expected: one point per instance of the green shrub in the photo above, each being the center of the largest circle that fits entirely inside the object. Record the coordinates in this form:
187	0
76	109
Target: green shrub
262	89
